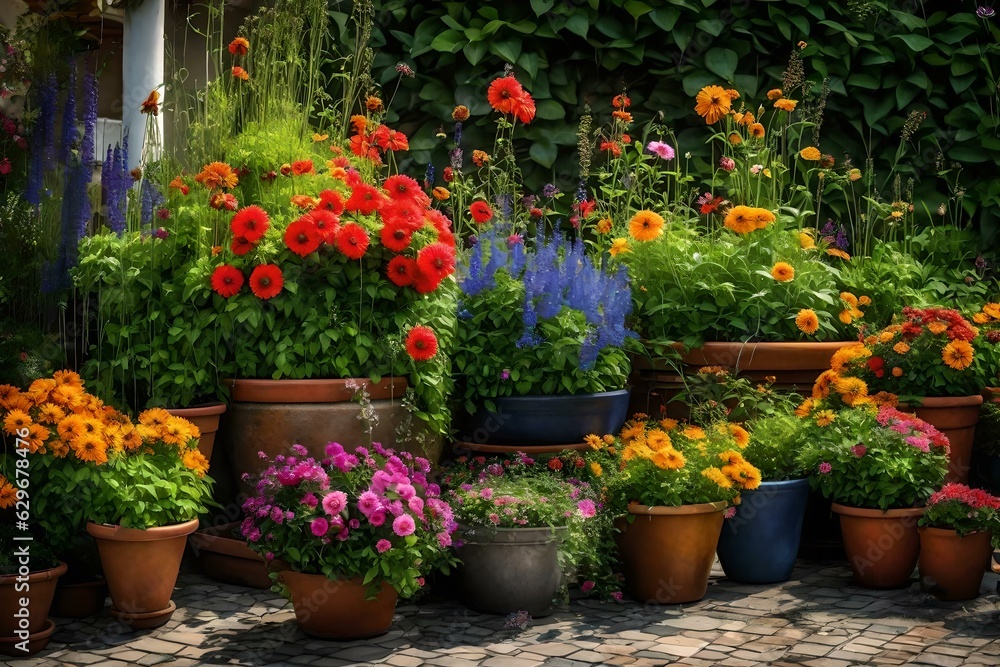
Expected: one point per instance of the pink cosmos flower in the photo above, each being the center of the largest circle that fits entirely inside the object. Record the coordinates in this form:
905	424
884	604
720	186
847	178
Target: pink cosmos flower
586	508
486	494
319	526
494	518
403	525
383	545
405	491
334	502
825	468
663	150
729	513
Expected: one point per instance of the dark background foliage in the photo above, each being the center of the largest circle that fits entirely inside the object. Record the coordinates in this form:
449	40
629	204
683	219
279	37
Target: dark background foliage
882	61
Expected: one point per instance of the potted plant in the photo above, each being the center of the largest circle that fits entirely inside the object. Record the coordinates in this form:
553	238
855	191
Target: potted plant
935	360
878	465
225	556
348	534
28	575
669	483
538	363
986	446
957	532
516	534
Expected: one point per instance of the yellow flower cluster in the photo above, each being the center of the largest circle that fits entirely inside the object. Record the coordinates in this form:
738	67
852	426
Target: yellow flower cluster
60	419
745	219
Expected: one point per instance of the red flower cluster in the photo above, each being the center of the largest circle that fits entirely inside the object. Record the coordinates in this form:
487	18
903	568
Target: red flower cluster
508	96
373	144
958	328
266	281
974	498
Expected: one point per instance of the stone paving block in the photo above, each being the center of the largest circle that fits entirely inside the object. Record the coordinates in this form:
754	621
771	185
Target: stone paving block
404	661
507	661
828	662
938	659
810	649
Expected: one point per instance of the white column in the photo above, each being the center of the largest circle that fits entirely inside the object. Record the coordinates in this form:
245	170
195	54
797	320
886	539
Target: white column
142	70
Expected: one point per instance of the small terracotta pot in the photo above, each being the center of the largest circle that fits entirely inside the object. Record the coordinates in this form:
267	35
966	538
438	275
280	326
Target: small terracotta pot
226	558
36	641
338	609
882	547
39	587
951	566
667	552
206	418
956	417
141	567
80	600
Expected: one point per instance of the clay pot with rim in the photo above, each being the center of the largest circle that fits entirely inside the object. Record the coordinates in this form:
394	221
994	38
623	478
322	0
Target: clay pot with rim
667	552
952	566
206	418
80	599
882	547
41	587
273	415
339	608
141	568
956	417
227	558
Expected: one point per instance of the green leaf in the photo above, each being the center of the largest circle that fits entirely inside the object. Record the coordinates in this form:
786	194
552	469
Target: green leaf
915	42
722	62
449	41
578	24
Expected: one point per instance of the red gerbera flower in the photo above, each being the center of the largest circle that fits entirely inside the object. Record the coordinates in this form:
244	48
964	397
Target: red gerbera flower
421	343
301	167
402	187
436	260
327	224
396	235
481	211
352	240
424	283
524	108
241	246
397	141
227	280
365	199
503	94
402	271
266	281
302	237
250	222
405	212
439	220
331	201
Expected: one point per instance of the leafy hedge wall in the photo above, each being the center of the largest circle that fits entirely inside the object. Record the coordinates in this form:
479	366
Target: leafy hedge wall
883	60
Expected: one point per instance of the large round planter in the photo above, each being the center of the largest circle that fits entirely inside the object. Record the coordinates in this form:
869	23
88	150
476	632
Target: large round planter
952	566
760	542
667	552
956	417
505	570
206	418
272	415
791	364
546	420
228	559
79	600
27	626
141	568
339	609
882	547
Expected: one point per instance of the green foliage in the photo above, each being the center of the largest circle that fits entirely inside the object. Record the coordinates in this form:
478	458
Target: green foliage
534	501
934	60
988	429
775	441
857	461
39	553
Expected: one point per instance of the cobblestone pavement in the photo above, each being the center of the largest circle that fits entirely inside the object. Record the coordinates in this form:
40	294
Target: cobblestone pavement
819	619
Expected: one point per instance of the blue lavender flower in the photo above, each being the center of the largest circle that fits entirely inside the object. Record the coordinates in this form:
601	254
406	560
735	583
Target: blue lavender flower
89	117
550	190
42	141
150	199
69	131
458	133
456	158
581	190
505	202
429	176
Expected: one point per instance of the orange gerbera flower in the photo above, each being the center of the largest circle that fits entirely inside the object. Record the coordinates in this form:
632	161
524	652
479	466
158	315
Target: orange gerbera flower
176	431
958	354
8	494
155	417
782	272
68	378
712	104
646	225
756	130
49	413
807	321
152	104
785	105
741	219
15	421
217	175
90	448
196	461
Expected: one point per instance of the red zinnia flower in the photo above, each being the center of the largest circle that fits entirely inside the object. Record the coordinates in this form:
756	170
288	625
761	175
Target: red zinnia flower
302	237
380	137
301	167
352	240
396	235
365	199
481	211
327	224
397	141
239	46
266	281
421	343
449	174
331	201
227	280
401	187
404	212
402	271
436	260
240	246
225	201
424	283
504	93
250	222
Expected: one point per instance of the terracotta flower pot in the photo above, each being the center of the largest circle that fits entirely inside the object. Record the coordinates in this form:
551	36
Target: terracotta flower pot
227	558
27	627
141	568
956	417
792	364
951	566
273	415
667	552
882	547
206	418
80	600
338	609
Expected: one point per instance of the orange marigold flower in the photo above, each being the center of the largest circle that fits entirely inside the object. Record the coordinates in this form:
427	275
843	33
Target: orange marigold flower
896	371
735	139
785	105
774	94
623	116
604	226
479	158
373	103
712	103
807	321
958	354
618	246
733	94
621	102
782	272
359	123
460	113
646	226
810	153
441	193
217	175
239	46
741	219
240	73
304	201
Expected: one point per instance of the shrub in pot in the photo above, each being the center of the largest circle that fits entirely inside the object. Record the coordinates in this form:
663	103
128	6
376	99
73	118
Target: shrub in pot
878	465
957	532
349	534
